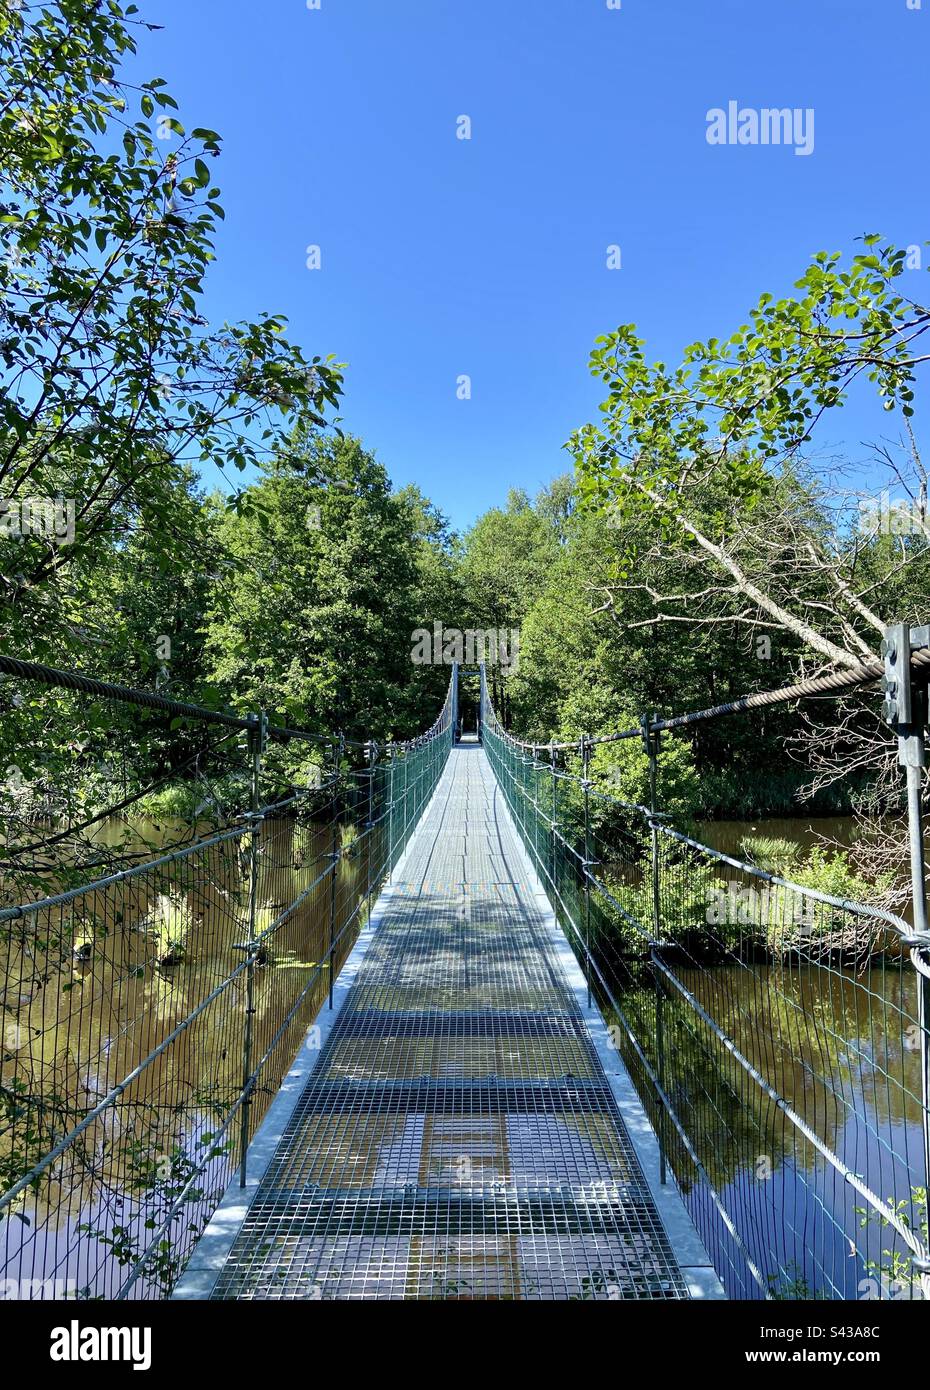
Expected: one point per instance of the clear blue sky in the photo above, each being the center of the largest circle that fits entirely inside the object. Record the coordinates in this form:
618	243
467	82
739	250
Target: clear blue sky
488	257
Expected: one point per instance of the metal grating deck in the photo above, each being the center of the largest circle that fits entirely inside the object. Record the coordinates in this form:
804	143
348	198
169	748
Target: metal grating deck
458	1137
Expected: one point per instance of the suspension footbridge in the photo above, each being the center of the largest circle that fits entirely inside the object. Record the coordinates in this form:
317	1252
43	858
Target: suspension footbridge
448	1019
460	1133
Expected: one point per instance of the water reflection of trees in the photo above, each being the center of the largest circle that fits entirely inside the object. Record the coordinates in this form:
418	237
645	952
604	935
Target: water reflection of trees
88	996
838	1046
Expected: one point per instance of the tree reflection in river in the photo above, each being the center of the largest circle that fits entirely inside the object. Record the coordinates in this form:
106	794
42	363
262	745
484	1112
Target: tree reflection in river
841	1048
95	986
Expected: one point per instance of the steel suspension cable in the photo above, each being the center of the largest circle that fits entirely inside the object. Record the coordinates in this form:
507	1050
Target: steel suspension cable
836	683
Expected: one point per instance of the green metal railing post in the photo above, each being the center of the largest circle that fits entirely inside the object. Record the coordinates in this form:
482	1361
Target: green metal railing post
406	803
535	766
390	853
586	876
336	857
258	732
651	744
370	868
905	709
554	836
552	822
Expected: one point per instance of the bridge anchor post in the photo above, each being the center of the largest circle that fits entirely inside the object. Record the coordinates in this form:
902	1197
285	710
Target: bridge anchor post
905	709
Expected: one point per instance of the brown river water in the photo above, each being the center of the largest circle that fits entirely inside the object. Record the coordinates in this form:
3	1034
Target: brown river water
91	989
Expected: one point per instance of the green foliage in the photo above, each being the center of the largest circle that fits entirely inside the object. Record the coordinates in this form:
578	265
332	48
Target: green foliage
109	375
506	556
623	770
820	869
833	874
723	518
792	1285
896	1268
183	801
327	582
310	580
771	852
590	664
757	395
113	390
157	1183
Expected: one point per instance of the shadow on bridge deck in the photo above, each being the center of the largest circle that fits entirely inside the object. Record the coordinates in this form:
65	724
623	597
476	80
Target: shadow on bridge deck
464	1130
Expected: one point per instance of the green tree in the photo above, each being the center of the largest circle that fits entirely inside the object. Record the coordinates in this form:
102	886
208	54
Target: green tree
706	456
505	558
314	618
110	377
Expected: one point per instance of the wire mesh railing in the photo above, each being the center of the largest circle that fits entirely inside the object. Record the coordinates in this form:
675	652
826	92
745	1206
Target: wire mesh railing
150	1014
773	1031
